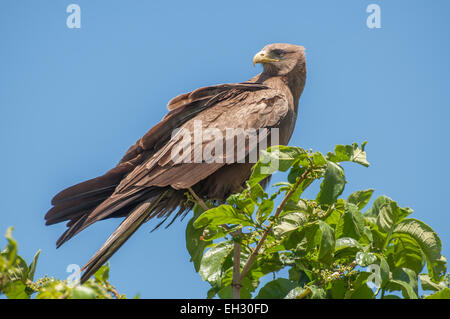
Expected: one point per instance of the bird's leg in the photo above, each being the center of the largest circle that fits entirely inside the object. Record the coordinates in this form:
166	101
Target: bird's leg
198	199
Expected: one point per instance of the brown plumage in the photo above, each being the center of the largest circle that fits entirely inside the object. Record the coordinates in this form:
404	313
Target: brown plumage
148	183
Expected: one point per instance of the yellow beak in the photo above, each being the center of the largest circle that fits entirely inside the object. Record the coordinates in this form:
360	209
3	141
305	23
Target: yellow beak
263	57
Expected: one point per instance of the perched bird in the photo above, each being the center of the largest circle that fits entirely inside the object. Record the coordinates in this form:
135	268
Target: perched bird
149	183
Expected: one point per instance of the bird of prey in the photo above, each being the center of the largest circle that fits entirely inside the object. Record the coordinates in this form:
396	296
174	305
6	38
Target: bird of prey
149	183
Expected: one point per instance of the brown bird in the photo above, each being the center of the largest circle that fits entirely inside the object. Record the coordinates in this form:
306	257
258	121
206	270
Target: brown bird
150	182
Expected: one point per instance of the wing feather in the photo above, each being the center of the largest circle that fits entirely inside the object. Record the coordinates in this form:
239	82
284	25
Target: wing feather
255	110
147	166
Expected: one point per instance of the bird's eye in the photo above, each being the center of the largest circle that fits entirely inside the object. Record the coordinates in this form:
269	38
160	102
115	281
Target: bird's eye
278	52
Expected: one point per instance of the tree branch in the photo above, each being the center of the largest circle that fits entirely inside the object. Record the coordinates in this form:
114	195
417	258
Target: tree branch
236	283
280	208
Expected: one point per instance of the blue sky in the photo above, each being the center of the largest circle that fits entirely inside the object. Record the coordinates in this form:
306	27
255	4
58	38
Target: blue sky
73	100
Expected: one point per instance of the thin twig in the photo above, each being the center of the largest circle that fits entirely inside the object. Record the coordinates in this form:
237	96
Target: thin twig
198	199
280	208
114	291
304	293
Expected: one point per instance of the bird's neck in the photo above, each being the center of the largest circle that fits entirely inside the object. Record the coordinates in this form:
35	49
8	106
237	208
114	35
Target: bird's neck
291	84
295	80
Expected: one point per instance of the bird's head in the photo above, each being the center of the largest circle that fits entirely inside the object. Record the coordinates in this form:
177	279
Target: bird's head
280	58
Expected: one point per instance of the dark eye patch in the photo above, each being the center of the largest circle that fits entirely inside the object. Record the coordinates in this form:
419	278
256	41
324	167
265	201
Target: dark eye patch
278	52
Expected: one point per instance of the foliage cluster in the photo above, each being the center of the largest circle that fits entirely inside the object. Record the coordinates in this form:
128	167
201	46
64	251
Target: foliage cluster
329	246
17	279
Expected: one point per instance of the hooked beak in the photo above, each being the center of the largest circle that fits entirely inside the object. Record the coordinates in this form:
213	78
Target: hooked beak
263	57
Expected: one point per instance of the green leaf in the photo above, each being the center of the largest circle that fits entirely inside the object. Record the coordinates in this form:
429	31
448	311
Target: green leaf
428	284
226	292
360	198
339	288
360	289
378	238
265	263
374	211
428	241
19	269
346	246
351	224
10	251
327	243
443	294
367	236
289	223
243	202
407	275
295	172
298	276
224	214
102	274
276	158
337	210
317	292
276	289
384	271
211	293
257	192
286	155
390	214
194	243
347	242
332	185
294	293
295	206
352	153
32	267
319	159
363	292
407	290
16	290
264	210
15	265
213	260
302	240
211	233
406	253
405	280
83	292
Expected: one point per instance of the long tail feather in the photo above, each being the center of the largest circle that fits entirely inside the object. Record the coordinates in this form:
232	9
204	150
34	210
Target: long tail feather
127	228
